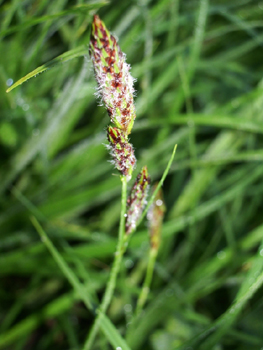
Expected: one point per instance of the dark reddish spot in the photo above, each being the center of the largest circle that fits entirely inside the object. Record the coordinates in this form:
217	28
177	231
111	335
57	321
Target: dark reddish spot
123	121
115	84
125	112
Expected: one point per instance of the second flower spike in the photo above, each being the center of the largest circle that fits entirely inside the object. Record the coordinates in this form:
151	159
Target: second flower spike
115	83
137	200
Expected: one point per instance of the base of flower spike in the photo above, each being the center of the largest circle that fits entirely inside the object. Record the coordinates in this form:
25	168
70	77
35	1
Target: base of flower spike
121	151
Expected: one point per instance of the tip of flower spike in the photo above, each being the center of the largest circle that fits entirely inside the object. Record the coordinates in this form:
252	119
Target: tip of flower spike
96	18
96	21
99	29
143	177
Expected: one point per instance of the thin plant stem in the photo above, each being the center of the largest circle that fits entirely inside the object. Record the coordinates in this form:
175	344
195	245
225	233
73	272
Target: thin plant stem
106	326
147	282
120	249
160	183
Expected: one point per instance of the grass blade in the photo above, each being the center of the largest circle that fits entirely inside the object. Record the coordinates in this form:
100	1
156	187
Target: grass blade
107	327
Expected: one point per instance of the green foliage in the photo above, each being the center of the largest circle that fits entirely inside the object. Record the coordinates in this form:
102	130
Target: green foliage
199	85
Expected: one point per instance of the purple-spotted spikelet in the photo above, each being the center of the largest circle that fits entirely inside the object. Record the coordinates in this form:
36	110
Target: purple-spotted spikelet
121	151
155	219
115	83
137	200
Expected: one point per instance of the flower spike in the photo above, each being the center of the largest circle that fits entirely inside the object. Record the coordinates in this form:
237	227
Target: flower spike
137	200
155	219
115	83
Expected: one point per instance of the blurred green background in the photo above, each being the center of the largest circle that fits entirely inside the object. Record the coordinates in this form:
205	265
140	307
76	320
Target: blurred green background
199	70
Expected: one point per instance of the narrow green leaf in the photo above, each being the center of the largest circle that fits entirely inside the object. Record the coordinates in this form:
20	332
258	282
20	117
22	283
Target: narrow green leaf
79	9
48	131
27	325
218	121
66	56
107	327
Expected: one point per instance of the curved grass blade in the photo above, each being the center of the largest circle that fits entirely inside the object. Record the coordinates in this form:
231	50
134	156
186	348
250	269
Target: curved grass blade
79	9
27	325
66	56
50	127
223	324
106	325
217	121
251	284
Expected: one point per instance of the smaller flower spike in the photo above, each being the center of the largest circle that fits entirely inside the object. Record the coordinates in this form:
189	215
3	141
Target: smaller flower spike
155	219
121	151
115	83
137	200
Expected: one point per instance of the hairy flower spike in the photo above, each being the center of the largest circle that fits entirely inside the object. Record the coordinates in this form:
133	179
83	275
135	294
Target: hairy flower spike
137	199
115	84
121	151
155	219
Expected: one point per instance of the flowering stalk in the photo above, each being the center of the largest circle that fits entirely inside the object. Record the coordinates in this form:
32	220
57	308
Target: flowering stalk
115	87
120	250
137	200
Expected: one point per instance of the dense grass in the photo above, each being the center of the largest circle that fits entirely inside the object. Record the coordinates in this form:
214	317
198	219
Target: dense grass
199	70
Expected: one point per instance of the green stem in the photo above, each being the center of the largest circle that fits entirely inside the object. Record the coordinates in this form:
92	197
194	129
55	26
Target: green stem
147	283
120	249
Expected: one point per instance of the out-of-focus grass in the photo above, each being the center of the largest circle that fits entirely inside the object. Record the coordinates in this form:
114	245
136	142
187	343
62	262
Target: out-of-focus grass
199	71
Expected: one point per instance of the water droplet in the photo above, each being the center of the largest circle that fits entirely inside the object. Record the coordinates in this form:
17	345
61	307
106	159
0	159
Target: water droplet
125	215
20	101
9	82
159	202
36	132
221	255
118	348
128	308
25	107
191	123
129	264
261	253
